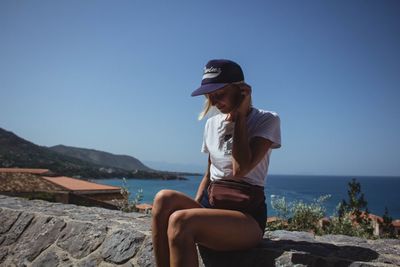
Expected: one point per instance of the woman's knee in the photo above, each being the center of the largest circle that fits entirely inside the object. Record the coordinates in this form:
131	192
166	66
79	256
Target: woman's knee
179	230
163	202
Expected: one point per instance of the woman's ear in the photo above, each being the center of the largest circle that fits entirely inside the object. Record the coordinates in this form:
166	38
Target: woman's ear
245	89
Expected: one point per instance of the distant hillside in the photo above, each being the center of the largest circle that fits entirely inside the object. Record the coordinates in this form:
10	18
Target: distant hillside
181	167
102	158
18	152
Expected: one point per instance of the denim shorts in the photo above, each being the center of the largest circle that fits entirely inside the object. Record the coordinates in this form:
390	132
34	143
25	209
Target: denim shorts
260	214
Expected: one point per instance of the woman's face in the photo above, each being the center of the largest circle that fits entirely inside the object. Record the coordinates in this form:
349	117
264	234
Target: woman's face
225	99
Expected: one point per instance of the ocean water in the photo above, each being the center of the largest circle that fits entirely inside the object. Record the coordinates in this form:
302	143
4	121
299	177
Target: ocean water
380	192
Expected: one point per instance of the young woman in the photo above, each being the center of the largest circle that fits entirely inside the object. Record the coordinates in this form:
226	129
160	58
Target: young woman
229	211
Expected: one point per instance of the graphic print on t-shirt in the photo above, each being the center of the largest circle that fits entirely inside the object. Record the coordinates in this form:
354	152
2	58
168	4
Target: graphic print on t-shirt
228	144
225	131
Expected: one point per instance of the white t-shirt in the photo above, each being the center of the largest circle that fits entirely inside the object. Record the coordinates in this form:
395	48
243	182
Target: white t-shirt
218	142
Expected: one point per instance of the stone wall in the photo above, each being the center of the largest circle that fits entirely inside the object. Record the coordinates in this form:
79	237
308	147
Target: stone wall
39	233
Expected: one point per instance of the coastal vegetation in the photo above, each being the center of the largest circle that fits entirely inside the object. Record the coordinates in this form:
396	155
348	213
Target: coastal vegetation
127	204
351	218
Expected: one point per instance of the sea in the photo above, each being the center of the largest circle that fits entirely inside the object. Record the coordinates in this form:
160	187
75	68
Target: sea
379	192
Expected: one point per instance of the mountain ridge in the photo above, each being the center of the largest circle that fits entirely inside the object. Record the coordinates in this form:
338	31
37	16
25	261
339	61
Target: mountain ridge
19	152
95	156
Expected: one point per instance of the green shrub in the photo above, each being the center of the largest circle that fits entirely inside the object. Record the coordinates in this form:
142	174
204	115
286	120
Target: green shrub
306	216
125	204
352	215
344	223
300	216
388	230
280	206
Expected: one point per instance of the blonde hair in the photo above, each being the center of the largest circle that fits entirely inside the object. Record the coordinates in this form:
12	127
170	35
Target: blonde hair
206	108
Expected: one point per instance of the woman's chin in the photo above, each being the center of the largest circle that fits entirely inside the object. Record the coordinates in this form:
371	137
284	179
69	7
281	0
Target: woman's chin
223	109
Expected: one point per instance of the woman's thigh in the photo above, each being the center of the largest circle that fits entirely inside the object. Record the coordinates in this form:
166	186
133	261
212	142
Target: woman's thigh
173	200
220	229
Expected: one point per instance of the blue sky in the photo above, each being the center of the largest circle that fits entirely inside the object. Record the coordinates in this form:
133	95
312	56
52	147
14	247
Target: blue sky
117	76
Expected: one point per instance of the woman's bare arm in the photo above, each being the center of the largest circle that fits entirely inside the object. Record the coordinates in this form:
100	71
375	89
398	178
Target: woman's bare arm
246	154
204	182
257	148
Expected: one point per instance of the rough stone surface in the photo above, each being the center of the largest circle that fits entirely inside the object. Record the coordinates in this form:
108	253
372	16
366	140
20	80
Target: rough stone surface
51	258
42	232
17	228
293	236
122	245
47	259
145	256
9	218
3	254
92	260
81	239
39	233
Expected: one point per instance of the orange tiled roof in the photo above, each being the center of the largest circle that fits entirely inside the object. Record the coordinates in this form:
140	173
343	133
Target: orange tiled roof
371	216
273	219
78	184
375	217
24	170
396	223
144	206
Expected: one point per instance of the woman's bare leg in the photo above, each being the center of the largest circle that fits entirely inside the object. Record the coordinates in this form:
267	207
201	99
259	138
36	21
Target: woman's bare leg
213	228
165	203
